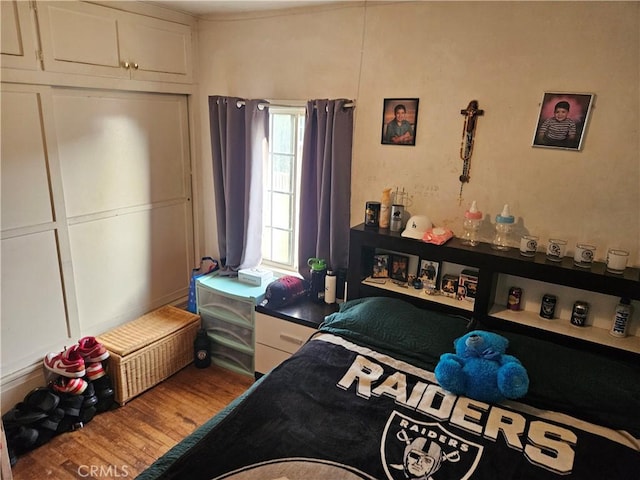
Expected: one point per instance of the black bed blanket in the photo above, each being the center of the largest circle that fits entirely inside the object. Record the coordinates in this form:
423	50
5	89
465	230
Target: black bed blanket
336	410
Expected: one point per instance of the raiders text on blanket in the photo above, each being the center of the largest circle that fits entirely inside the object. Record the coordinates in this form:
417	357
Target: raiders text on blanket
543	444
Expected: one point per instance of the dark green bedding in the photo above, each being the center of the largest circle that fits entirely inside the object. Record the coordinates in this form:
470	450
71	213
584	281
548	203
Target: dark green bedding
591	386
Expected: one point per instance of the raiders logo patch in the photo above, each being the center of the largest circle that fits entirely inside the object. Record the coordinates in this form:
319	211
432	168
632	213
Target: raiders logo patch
415	449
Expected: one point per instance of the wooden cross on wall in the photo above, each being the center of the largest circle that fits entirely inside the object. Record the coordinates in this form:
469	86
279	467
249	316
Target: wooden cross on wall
468	135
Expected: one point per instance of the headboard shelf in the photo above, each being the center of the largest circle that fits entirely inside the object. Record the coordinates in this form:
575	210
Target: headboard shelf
420	294
491	265
563	327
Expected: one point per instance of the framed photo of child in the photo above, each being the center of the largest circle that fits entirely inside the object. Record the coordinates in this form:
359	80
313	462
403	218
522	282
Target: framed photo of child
399	121
428	272
562	120
380	266
399	268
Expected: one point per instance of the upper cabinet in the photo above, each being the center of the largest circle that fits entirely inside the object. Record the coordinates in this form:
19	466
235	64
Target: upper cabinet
89	39
18	45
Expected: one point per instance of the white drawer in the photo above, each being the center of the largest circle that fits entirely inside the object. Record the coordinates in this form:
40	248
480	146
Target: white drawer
267	358
280	334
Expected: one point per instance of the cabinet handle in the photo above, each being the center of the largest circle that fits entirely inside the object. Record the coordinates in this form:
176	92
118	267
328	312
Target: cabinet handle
135	66
289	338
126	65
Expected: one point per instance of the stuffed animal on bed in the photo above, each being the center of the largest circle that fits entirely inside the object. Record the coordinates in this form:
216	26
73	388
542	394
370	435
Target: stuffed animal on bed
480	369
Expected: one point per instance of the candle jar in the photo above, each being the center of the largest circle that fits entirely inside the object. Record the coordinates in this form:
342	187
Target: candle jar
528	245
583	256
555	249
617	260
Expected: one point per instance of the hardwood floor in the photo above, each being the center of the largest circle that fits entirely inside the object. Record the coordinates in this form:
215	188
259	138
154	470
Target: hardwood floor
121	443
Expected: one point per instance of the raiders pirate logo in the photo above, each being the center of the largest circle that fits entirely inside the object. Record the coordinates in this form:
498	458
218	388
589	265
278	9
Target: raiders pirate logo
425	451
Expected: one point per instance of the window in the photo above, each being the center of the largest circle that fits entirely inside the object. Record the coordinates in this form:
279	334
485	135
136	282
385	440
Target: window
282	186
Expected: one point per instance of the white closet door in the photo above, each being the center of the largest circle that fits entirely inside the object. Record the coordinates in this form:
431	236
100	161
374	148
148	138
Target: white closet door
35	318
26	197
124	161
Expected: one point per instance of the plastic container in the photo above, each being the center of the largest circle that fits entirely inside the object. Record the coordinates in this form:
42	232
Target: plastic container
471	225
504	224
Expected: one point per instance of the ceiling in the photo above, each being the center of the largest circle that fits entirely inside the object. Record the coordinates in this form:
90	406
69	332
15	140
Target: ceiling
205	7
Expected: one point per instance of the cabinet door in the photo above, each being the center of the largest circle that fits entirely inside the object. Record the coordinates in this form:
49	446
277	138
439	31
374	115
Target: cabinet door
18	46
80	38
156	49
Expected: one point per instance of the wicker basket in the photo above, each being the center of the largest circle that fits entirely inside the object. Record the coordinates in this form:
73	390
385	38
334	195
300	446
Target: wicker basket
149	349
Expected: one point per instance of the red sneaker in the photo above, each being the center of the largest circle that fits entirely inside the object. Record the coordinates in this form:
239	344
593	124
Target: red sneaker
68	363
74	386
92	350
95	371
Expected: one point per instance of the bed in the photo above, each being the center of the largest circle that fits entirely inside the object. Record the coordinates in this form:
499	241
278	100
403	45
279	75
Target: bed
360	401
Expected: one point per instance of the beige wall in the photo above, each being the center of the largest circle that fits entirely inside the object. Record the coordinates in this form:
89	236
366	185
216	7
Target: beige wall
504	54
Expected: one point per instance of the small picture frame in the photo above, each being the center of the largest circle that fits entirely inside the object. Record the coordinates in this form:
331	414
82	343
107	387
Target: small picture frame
562	120
449	285
399	121
380	266
428	272
399	267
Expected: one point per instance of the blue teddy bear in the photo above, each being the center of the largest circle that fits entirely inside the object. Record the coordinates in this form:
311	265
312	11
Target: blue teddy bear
481	370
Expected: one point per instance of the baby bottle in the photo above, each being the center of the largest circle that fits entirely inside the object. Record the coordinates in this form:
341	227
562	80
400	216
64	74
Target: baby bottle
471	225
504	223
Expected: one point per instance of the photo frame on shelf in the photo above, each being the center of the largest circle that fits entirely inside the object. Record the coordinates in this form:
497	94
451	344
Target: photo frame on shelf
399	267
449	286
380	266
562	120
428	271
399	121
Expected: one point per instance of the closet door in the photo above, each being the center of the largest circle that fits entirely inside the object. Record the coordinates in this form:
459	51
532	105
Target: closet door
36	317
125	172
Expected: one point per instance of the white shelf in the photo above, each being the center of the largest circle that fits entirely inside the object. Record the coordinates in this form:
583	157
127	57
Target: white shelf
389	285
564	327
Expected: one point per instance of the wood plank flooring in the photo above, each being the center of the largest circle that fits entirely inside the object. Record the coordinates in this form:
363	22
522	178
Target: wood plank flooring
121	443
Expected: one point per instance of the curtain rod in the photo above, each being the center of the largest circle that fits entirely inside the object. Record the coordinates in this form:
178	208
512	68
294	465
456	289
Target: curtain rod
261	106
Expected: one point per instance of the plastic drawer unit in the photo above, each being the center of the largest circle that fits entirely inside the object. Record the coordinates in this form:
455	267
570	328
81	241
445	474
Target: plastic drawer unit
227	308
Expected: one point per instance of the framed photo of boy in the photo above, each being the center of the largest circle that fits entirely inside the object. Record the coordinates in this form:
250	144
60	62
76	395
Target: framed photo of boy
399	121
563	120
399	268
380	266
428	272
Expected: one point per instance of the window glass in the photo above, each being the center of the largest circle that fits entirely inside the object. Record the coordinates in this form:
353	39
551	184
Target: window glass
282	184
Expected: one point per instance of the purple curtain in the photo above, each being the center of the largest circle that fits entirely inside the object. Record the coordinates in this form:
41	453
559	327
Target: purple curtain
326	184
239	132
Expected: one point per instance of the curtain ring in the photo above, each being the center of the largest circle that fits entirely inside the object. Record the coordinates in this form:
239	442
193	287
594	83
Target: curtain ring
239	104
